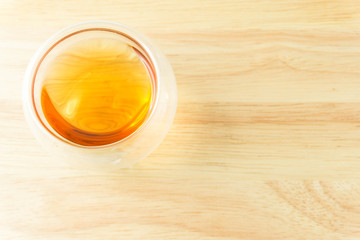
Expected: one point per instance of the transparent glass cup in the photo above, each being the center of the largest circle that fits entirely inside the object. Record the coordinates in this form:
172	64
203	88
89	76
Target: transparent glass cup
127	151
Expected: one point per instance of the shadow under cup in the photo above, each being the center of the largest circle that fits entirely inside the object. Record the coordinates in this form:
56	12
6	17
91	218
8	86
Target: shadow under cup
127	149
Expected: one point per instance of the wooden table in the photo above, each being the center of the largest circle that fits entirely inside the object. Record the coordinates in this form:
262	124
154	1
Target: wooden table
266	140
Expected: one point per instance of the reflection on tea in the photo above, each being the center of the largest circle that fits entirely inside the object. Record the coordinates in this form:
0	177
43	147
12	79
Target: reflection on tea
97	91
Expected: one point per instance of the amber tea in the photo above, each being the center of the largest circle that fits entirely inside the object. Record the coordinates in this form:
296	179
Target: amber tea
97	91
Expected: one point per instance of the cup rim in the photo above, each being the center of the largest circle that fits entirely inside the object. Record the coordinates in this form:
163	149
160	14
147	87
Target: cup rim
140	40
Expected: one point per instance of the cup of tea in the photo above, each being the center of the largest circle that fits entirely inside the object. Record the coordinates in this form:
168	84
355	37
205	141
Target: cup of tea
99	94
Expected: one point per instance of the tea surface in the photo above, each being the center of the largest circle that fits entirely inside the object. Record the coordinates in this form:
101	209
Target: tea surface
96	91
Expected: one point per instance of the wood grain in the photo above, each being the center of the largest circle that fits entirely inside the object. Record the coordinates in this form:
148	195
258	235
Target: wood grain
146	206
269	104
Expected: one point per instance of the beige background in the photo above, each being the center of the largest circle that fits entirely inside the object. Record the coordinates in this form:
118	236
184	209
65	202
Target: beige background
268	92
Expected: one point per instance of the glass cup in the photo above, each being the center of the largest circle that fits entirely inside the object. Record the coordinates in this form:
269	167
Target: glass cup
127	151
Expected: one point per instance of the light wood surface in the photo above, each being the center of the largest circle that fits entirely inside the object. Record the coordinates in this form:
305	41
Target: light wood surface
269	104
